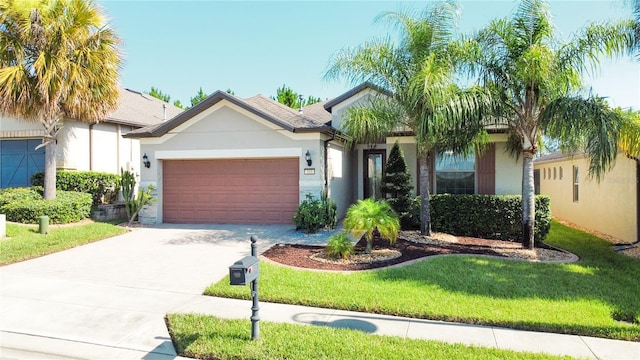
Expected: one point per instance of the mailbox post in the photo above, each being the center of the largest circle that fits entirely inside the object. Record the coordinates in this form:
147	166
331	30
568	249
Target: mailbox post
246	271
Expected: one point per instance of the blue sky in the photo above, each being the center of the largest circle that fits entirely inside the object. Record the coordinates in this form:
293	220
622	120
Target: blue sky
255	47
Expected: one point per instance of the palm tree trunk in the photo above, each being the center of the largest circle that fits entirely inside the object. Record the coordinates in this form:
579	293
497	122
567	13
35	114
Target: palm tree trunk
425	212
528	202
50	170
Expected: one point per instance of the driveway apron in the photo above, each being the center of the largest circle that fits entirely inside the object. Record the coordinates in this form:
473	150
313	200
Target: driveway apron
108	299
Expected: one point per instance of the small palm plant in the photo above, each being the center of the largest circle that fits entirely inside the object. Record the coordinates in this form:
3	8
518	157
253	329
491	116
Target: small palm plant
369	215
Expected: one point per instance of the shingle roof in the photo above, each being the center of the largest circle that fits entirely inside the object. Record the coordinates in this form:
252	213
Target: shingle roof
283	112
139	109
268	109
318	112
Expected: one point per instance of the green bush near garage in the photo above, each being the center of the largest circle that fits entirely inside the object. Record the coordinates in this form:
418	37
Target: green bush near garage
102	186
26	205
487	216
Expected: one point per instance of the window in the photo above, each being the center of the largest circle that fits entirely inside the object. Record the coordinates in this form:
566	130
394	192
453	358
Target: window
544	173
455	174
560	170
555	173
575	184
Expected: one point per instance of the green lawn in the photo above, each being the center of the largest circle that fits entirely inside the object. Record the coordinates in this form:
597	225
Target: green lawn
207	337
23	242
579	298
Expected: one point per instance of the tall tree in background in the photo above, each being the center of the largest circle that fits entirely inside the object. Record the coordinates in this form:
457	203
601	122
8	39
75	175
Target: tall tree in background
58	59
158	94
536	82
417	76
285	95
201	95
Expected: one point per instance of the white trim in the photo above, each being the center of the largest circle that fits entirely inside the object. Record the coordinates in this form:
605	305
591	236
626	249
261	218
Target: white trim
228	153
401	140
311	183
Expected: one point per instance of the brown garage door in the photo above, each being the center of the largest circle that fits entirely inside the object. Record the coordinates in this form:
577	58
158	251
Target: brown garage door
247	191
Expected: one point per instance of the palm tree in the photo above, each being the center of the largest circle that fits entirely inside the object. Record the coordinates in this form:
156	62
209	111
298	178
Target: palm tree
536	83
57	60
415	79
630	134
366	216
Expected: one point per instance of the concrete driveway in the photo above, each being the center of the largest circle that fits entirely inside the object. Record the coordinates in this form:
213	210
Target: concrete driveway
108	299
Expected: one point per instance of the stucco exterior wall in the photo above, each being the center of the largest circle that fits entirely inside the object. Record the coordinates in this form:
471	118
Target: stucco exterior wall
339	110
508	169
608	207
340	177
226	131
73	151
9	124
82	146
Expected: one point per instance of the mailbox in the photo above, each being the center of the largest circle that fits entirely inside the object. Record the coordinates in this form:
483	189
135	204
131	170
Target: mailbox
244	271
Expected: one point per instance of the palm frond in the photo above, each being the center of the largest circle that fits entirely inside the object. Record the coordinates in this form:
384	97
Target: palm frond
585	124
630	134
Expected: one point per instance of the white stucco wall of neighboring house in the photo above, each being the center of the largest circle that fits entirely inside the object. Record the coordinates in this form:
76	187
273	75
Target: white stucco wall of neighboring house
508	169
608	207
97	147
72	152
8	124
82	146
226	131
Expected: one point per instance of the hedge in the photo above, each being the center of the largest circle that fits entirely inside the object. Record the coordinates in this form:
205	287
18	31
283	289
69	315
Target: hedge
99	184
487	216
26	205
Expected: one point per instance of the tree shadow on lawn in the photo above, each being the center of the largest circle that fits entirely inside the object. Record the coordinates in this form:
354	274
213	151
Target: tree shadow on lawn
509	279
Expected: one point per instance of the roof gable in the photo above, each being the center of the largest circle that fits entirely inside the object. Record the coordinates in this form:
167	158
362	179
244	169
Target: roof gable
258	105
367	85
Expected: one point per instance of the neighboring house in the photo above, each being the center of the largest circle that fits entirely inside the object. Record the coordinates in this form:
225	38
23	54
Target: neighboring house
232	160
610	206
81	146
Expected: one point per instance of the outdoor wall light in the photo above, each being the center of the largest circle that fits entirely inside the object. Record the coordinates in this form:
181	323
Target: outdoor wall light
145	161
307	157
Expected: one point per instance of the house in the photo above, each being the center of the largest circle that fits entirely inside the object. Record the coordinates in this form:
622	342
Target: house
232	160
81	146
611	206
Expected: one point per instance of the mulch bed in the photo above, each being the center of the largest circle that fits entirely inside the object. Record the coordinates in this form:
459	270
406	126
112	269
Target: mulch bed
300	255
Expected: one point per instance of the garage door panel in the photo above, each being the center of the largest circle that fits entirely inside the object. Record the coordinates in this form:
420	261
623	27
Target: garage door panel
251	191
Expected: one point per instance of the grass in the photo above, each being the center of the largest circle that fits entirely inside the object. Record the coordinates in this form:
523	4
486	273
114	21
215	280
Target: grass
583	298
23	242
208	337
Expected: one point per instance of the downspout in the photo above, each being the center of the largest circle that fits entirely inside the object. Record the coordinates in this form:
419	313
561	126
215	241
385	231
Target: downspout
119	134
326	162
91	146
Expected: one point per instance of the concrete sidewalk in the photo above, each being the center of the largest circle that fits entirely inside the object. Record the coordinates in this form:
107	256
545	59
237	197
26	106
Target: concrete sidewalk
485	336
107	300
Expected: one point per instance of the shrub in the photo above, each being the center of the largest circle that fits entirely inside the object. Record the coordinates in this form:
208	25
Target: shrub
314	214
103	187
397	186
340	246
487	216
369	215
26	205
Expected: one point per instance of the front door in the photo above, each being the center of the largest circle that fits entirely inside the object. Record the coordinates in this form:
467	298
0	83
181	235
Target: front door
374	162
